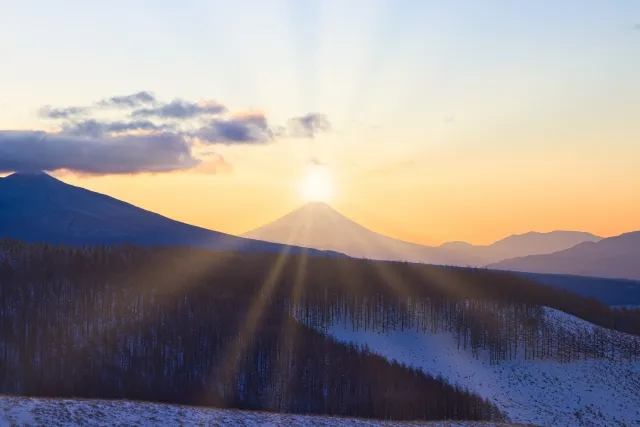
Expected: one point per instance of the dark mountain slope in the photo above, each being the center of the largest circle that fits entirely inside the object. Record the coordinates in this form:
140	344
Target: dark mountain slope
614	257
39	208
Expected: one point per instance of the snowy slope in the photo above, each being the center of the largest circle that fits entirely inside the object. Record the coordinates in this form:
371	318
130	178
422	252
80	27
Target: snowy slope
17	411
542	392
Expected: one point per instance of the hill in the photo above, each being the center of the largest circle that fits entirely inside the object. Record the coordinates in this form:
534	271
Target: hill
319	226
245	330
37	207
22	411
613	257
542	392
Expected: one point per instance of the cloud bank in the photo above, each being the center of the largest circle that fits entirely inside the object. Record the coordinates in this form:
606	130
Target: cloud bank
32	151
148	136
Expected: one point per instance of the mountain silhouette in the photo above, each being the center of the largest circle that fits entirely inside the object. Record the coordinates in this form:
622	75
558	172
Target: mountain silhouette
318	225
37	207
613	257
517	245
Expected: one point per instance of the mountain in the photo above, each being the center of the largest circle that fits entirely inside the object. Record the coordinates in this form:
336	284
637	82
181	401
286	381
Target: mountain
613	257
317	225
37	207
517	245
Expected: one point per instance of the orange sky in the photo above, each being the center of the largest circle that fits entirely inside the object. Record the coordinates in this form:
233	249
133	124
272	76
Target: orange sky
478	198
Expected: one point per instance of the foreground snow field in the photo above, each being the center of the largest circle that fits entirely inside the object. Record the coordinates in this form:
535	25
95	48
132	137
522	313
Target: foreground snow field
547	393
19	411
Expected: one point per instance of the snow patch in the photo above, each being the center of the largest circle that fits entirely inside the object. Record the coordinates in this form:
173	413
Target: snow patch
543	392
22	411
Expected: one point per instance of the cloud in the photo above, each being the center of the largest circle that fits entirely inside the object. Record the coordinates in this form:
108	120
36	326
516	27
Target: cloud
314	161
249	128
30	151
214	163
143	134
308	126
129	101
180	109
96	129
636	27
62	113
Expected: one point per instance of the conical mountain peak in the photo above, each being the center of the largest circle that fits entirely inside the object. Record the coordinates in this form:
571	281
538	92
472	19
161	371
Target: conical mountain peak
318	225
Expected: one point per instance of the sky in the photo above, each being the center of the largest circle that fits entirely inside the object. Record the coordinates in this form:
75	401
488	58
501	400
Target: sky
435	121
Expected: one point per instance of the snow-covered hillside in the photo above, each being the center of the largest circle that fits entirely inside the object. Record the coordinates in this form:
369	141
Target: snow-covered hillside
18	411
542	392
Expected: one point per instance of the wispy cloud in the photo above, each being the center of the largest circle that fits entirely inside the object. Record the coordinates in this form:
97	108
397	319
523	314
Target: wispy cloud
129	101
214	163
180	109
149	136
309	125
50	112
314	161
96	129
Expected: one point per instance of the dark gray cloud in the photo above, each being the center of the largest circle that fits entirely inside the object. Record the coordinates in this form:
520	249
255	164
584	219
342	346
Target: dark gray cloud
30	151
246	129
50	112
94	128
129	101
308	126
180	109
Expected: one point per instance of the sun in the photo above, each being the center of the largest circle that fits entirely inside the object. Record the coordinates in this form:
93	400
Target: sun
317	186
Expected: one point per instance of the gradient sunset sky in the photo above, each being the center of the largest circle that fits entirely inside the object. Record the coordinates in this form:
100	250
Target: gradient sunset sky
449	120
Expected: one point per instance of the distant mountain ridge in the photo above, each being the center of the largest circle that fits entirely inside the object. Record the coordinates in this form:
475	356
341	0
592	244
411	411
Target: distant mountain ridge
37	207
614	257
530	243
319	226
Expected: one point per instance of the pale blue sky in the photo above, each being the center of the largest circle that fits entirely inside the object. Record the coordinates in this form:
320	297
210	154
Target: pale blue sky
375	61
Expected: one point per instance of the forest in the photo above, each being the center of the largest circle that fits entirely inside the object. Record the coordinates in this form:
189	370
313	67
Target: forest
231	329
